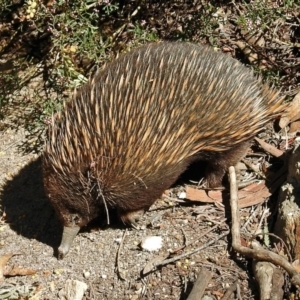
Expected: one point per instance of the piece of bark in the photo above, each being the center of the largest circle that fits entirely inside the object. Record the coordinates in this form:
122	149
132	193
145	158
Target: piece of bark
294	127
200	284
269	148
270	280
251	195
288	220
74	290
292	112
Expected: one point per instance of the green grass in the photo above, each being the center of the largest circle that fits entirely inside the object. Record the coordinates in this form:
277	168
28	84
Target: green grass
262	14
74	37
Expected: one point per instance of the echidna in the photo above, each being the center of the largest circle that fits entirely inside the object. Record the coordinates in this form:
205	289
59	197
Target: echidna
128	134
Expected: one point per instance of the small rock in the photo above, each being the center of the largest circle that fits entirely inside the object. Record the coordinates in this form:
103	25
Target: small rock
52	286
58	271
208	298
151	243
139	289
182	195
74	290
118	240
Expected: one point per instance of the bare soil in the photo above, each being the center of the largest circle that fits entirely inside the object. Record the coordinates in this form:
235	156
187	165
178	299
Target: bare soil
30	229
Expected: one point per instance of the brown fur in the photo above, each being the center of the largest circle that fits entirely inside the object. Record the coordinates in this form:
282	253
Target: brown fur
130	132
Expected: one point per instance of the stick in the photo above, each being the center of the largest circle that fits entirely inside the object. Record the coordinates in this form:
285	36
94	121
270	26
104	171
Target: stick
173	259
120	273
200	284
230	291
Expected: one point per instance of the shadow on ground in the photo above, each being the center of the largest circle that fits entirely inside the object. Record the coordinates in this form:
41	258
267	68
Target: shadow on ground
27	209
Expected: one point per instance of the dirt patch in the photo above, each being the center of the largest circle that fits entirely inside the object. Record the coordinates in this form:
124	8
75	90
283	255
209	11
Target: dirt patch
29	227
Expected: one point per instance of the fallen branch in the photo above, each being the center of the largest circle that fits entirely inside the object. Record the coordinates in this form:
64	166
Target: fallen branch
257	254
270	279
200	284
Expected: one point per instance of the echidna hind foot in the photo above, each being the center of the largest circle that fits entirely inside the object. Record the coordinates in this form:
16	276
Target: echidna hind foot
132	218
218	165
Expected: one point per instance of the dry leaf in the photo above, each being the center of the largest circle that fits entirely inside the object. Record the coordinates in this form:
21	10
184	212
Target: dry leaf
18	271
248	196
295	127
254	38
12	271
218	294
269	148
243	242
292	113
249	53
297	267
3	261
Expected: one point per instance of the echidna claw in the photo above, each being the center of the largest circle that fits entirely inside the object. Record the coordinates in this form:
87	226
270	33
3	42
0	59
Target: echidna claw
132	218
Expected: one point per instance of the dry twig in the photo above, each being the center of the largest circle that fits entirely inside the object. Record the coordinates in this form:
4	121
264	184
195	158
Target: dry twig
155	264
173	259
119	272
269	148
230	291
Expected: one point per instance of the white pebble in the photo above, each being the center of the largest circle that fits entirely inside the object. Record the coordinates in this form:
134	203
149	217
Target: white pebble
151	243
182	195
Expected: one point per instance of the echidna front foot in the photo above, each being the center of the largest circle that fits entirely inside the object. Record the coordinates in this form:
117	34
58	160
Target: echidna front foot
68	236
131	218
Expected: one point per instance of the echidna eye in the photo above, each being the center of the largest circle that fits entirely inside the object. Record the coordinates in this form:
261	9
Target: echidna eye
76	219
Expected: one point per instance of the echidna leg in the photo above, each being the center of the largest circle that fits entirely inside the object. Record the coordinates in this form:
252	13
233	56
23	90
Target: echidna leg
132	217
217	166
68	236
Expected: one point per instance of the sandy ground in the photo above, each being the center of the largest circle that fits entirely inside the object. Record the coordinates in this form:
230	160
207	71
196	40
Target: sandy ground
30	229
